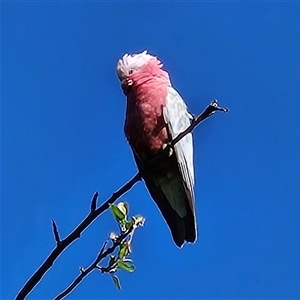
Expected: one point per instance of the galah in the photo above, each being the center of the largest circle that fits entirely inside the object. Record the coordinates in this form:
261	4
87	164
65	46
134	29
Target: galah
155	114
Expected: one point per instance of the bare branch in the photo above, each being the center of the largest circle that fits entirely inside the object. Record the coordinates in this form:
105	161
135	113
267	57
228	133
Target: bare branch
209	111
94	201
103	248
55	232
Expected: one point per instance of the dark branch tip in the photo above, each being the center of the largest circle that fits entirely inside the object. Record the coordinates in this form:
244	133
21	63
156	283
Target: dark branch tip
102	250
216	106
94	201
55	232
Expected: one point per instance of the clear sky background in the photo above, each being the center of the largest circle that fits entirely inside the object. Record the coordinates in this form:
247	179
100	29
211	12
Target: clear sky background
62	139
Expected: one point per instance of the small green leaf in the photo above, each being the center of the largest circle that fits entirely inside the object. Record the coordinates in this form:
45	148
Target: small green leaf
125	266
118	214
123	250
116	281
129	224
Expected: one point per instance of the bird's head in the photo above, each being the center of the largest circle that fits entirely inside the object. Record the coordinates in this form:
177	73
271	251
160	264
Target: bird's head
129	64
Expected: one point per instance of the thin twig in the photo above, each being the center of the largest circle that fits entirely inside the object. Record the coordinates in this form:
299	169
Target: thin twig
94	201
75	234
55	232
208	112
101	255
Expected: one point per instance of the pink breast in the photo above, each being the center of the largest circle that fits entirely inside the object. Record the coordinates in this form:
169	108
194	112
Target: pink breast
145	127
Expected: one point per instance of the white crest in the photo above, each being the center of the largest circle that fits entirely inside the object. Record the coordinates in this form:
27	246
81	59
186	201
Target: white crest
132	62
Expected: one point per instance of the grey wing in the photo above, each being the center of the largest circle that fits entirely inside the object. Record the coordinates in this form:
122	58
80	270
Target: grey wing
178	119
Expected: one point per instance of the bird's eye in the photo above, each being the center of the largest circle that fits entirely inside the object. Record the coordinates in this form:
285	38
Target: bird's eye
130	72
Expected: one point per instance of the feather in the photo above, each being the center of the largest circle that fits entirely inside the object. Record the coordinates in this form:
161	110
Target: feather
178	119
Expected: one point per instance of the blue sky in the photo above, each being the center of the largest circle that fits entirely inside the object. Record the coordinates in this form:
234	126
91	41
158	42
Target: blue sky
62	113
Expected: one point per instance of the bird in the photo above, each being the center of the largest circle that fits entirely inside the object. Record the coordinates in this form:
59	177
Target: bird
155	115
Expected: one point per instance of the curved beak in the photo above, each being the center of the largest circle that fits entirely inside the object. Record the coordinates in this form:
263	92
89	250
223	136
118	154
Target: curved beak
126	85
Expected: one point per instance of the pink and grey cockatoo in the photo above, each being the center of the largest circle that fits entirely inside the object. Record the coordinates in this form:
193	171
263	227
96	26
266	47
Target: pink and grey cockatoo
156	114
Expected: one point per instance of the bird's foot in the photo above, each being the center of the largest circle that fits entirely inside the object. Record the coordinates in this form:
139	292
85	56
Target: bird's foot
167	149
